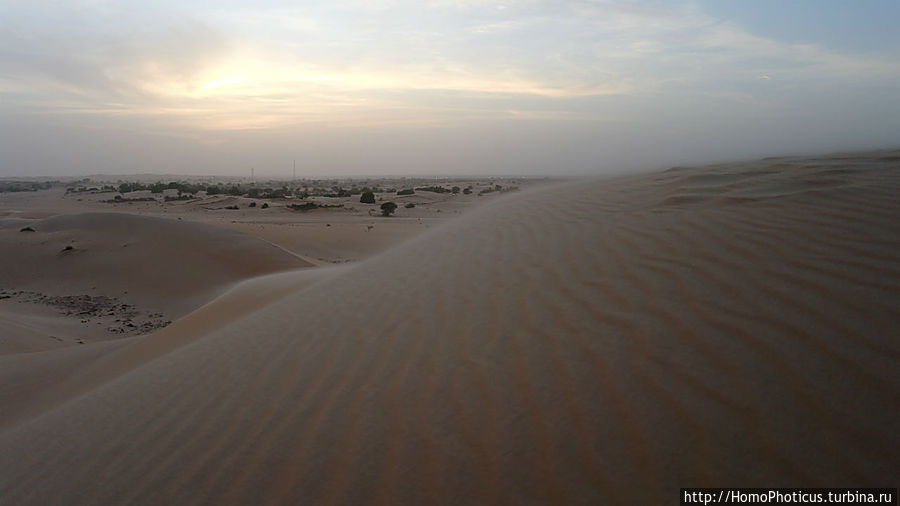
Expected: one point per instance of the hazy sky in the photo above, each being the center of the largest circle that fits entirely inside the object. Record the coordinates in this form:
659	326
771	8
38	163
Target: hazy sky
439	86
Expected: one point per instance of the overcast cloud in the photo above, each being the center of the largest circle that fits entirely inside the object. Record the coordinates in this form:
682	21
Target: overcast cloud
439	87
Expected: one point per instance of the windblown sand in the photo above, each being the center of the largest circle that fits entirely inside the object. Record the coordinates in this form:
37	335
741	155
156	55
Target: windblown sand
602	342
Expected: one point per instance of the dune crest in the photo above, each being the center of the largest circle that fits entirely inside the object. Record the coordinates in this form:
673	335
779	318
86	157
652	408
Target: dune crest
601	342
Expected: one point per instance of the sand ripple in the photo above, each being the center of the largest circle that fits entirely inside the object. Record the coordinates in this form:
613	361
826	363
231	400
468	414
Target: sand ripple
601	342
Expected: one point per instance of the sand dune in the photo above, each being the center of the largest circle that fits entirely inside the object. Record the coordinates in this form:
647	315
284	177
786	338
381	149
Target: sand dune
602	342
35	382
157	265
150	258
32	383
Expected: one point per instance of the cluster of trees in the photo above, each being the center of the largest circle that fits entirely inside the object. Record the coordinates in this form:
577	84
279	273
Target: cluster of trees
438	189
83	189
158	187
315	189
238	190
252	204
388	208
120	198
307	206
24	186
496	188
183	196
192	188
337	191
233	190
186	191
268	193
368	197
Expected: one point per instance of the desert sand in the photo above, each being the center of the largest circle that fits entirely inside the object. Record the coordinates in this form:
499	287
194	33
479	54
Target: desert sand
591	342
159	269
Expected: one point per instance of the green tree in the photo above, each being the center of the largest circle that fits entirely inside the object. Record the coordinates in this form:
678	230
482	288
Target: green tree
388	208
367	198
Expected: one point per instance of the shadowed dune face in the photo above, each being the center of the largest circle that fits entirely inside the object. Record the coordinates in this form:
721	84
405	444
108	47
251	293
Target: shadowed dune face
602	342
172	266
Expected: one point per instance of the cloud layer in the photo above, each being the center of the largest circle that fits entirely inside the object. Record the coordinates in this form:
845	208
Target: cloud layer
225	85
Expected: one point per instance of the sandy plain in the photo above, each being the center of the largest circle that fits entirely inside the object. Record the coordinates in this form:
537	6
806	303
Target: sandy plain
590	342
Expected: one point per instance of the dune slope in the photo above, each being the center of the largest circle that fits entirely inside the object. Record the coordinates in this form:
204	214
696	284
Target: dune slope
172	266
602	342
31	383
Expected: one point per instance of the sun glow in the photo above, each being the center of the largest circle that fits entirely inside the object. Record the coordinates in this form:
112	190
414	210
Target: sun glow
219	83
